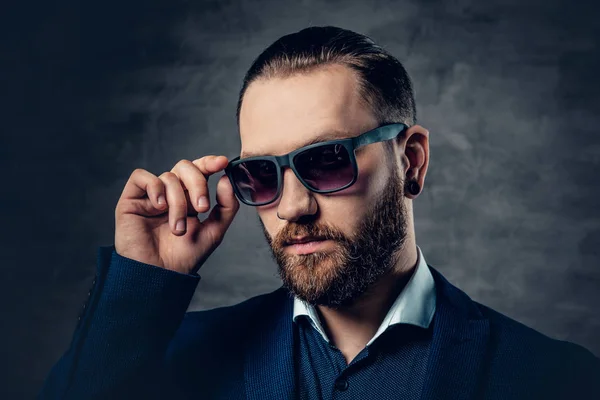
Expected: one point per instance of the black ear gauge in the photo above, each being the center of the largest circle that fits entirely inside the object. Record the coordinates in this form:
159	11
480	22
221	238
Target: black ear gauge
413	188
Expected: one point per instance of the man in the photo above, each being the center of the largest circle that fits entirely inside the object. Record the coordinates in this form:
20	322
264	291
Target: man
332	159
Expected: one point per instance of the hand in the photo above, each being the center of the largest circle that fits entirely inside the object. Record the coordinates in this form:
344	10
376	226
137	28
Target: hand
151	210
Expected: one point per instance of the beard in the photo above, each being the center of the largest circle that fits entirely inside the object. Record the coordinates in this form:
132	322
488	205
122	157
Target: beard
338	277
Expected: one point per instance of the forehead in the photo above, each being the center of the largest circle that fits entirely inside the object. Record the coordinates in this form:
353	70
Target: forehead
279	115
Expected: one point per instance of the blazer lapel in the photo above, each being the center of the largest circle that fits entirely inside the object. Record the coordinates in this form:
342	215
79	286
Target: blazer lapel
269	361
460	338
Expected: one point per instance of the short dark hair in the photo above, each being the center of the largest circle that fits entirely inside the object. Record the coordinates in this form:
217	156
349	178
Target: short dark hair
384	83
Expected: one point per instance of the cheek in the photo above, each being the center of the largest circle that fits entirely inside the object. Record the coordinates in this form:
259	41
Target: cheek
346	208
370	181
268	220
374	175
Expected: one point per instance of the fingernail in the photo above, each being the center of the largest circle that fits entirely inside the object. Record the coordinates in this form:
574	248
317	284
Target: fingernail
161	199
202	201
180	225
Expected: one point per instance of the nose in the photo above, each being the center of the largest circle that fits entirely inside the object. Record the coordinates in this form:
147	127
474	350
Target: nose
296	200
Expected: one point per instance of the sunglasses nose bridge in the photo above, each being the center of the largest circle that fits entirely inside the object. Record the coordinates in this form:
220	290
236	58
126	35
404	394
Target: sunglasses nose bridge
284	161
287	162
293	194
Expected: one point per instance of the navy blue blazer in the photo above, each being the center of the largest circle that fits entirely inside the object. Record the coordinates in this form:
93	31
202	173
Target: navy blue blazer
135	340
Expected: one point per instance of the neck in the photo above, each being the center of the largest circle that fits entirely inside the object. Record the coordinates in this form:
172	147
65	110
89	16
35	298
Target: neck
351	328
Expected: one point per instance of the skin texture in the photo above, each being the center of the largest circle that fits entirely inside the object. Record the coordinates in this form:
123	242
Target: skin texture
356	275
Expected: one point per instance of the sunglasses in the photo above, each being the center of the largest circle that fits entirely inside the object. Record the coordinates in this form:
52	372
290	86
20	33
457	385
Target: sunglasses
323	167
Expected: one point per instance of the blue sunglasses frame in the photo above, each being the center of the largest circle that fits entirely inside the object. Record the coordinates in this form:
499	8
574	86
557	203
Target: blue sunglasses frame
379	134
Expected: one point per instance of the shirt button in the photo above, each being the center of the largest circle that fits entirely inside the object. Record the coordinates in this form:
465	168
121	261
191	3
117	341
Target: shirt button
341	384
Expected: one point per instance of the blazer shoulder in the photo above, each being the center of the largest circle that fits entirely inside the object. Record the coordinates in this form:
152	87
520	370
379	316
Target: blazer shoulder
511	337
510	330
566	369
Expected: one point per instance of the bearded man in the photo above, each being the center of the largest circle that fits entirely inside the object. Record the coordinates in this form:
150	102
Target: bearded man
332	160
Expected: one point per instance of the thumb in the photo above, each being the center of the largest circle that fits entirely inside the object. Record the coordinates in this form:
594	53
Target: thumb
224	211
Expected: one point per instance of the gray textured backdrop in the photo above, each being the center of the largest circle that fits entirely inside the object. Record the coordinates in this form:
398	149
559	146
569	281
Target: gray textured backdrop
508	89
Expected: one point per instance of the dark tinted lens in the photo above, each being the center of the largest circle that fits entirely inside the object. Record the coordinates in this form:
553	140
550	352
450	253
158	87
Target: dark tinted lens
326	167
256	180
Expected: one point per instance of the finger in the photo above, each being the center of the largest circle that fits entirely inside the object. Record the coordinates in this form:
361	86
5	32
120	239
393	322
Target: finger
222	214
209	165
142	183
177	202
143	194
195	182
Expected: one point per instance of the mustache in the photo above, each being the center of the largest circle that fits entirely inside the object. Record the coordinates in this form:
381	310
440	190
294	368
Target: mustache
292	230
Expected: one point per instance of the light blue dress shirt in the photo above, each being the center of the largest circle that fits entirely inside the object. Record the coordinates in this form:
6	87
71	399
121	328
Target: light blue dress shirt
415	305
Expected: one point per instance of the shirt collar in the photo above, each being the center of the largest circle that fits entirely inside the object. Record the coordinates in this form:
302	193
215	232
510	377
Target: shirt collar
415	305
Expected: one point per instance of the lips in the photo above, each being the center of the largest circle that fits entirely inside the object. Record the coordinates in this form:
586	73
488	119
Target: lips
304	239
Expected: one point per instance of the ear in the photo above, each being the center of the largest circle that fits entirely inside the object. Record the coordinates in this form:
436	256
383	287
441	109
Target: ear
415	155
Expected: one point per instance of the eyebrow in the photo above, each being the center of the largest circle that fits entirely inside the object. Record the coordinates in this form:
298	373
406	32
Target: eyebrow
323	137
